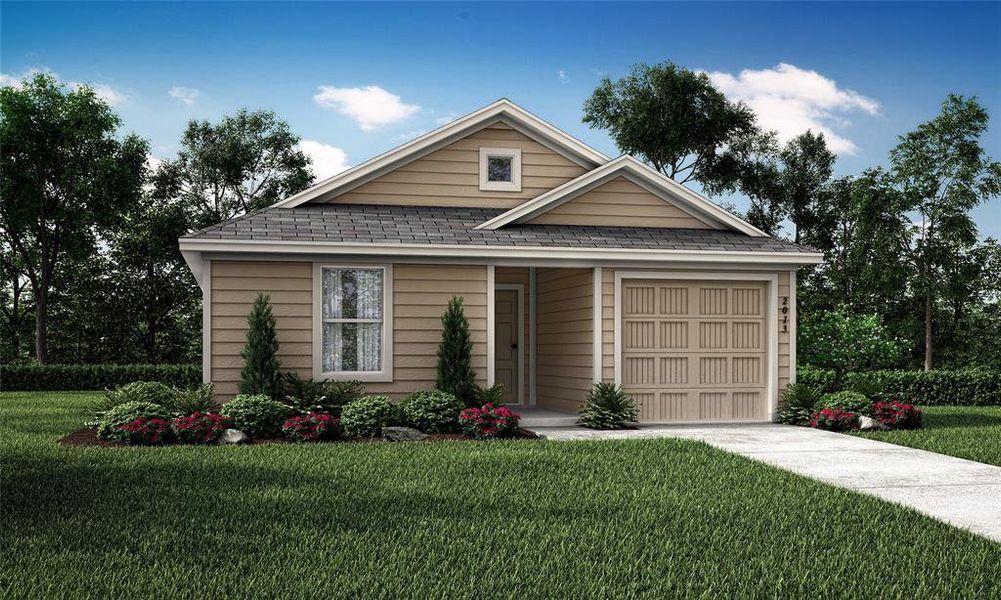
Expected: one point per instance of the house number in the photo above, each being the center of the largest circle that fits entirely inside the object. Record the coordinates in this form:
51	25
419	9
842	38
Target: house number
784	310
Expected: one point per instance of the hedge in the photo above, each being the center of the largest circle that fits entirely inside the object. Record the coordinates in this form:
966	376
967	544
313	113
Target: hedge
931	388
94	377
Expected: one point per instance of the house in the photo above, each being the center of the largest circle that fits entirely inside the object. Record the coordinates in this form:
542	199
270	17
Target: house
574	268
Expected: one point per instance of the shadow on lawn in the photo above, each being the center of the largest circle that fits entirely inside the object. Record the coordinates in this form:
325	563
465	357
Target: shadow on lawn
954	417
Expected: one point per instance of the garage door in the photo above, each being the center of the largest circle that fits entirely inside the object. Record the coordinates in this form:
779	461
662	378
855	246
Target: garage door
695	350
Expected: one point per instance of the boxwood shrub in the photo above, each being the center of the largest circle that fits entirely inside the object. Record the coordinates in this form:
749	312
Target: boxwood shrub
257	415
931	388
94	377
432	411
108	428
366	416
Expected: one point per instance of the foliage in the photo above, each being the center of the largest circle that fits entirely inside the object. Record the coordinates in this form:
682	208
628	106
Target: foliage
94	377
848	400
200	427
490	395
194	400
607	406
259	374
931	388
821	380
897	415
799	401
305	395
108	427
843	341
970	432
150	392
488	422
366	416
257	415
146	431
312	427
455	368
835	419
432	411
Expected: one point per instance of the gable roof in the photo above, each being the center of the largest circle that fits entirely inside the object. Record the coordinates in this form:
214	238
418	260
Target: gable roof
502	110
639	173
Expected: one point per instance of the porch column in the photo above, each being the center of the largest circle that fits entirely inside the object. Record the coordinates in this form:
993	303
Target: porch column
491	289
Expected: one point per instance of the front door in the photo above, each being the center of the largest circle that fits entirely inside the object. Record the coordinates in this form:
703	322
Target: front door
506	323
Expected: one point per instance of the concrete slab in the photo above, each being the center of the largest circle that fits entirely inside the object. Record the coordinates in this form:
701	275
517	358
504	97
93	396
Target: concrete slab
960	492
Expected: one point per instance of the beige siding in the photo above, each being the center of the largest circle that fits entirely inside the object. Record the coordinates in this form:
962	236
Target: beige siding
619	203
519	275
421	294
784	347
564	320
450	176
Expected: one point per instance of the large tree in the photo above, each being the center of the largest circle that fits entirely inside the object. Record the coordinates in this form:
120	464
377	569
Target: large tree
807	166
244	162
943	171
64	176
678	122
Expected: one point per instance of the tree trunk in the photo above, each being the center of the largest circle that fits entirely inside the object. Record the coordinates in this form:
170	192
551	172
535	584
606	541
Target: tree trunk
42	328
928	313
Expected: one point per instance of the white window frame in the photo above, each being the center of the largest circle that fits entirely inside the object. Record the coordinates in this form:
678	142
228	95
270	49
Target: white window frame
501	186
386	373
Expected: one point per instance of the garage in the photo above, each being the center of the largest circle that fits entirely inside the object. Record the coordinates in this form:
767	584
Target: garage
695	350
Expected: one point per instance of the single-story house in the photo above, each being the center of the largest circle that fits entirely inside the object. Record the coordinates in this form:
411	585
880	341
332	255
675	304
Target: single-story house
574	268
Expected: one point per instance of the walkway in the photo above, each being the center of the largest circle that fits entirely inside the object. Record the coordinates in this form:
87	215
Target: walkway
960	492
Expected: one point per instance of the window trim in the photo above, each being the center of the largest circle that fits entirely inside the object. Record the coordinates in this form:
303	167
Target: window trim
501	186
386	373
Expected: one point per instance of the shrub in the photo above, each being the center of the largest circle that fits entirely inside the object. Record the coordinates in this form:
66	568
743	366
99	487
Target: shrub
115	417
146	432
846	342
432	412
366	416
455	367
260	369
606	406
835	419
799	401
488	422
491	395
257	415
819	379
94	377
312	427
897	415
936	388
200	427
305	395
151	392
195	400
849	401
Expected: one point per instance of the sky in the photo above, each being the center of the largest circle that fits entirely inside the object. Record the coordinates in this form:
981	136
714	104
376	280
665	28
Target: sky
353	80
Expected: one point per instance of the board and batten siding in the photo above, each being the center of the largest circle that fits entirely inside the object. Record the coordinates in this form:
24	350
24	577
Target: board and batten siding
619	203
564	338
420	297
450	176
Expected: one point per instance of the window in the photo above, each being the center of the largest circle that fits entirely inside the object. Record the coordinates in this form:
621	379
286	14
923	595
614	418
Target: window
500	169
350	332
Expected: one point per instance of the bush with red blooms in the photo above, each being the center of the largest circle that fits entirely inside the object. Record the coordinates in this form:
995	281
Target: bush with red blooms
488	422
200	428
312	427
146	431
897	415
835	419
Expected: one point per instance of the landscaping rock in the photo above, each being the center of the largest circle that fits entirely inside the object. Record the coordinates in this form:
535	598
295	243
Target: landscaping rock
234	436
403	434
870	424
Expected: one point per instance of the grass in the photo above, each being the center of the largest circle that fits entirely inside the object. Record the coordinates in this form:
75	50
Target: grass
972	432
656	518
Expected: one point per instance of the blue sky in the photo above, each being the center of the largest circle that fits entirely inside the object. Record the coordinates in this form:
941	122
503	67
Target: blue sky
356	79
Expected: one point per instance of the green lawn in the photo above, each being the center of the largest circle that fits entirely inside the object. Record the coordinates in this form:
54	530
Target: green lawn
972	432
657	518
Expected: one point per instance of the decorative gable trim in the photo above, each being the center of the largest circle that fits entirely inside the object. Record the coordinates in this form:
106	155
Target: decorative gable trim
640	174
502	110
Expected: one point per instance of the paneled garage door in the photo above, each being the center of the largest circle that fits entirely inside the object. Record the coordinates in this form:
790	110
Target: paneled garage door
695	350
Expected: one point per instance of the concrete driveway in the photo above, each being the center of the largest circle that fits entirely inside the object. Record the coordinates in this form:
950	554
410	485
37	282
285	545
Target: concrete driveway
960	492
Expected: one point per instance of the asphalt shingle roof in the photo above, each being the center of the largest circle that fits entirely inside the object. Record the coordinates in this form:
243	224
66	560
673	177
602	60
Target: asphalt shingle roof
370	223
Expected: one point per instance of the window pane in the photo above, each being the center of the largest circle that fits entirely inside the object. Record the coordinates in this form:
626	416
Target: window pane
352	347
352	294
499	168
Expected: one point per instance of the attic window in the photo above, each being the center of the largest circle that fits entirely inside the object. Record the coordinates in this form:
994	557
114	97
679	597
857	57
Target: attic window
500	169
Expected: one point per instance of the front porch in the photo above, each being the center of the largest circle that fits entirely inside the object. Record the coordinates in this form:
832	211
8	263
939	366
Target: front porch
533	417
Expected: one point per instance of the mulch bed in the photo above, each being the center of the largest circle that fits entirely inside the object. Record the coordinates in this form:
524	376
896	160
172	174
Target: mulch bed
88	437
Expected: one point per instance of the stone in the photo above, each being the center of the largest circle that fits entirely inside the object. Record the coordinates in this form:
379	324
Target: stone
234	436
403	434
869	424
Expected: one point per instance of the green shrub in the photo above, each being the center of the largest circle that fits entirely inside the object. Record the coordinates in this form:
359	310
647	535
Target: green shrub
94	377
492	395
259	374
366	416
926	388
190	401
257	415
455	366
434	411
151	392
844	341
799	401
115	417
306	395
849	401
819	379
607	407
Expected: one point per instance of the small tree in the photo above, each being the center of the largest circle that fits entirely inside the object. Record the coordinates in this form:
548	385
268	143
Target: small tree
846	342
455	369
260	368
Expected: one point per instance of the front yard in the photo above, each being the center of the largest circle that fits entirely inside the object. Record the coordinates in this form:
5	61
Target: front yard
971	432
529	518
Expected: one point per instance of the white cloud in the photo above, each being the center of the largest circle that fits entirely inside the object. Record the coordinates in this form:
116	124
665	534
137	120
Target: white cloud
370	106
184	94
102	91
327	160
564	78
791	100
